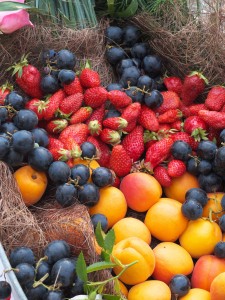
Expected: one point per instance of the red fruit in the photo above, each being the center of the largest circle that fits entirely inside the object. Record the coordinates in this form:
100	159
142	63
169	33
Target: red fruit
158	152
115	123
214	134
119	99
52	104
193	86
173	84
133	143
81	115
194	125
71	104
170	101
95	97
195	108
176	168
37	106
28	78
74	149
148	119
169	116
97	114
116	182
5	89
181	136
73	88
89	78
79	132
105	154
161	174
131	112
120	162
130	126
164	127
216	98
214	119
94	127
110	136
56	126
177	125
55	146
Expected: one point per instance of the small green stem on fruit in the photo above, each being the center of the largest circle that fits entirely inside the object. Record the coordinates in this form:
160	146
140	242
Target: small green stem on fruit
210	215
40	281
39	262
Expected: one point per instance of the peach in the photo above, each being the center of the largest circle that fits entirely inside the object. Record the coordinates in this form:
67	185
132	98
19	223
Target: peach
217	288
205	270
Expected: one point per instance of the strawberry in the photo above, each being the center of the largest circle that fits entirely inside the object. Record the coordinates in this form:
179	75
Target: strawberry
56	126
97	114
185	109
52	104
181	136
161	174
119	99
214	134
170	116
36	106
120	162
158	152
173	84
195	108
71	104
105	154
131	112
133	143
116	182
216	98
78	132
164	127
170	101
109	136
55	146
130	126
73	88
95	97
177	125
176	168
148	119
28	78
115	123
74	149
196	127
193	86
94	127
89	78
81	115
5	89
214	119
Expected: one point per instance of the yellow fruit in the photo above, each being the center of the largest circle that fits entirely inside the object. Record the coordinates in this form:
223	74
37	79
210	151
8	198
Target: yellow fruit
196	294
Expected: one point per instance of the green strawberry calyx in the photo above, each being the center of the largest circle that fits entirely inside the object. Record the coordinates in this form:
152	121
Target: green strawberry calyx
18	67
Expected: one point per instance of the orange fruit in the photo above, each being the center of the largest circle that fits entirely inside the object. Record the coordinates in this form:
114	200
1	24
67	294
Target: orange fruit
165	220
217	288
196	294
130	250
141	191
171	259
180	185
200	237
112	204
214	204
32	184
123	288
150	290
128	227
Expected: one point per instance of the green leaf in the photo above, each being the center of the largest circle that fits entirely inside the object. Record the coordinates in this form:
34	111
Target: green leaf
101	265
105	256
92	295
99	235
117	286
110	241
111	297
11	6
129	11
81	268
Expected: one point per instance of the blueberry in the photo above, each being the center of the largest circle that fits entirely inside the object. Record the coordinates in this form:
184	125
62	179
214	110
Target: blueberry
198	195
114	55
77	288
66	76
21	255
222	223
220	157
25	119
154	99
4	146
23	141
181	150
3	114
131	35
139	50
96	218
192	166
15	100
35	293
130	77
145	83
222	136
40	136
48	56
179	285
135	94
114	34
13	158
88	194
88	150
114	86
25	273
219	250
63	272
5	290
102	177
49	84
206	150
192	209
42	269
123	64
56	250
66	194
152	65
40	158
204	166
9	127
211	182
137	62
59	172
54	295
80	173
65	59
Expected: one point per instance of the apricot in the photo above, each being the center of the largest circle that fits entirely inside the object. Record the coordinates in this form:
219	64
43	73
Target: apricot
217	288
214	205
196	294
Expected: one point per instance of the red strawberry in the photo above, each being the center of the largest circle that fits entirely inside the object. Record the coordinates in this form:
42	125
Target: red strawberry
94	127
97	114
223	109
116	182
130	126
131	112
164	127
74	149
5	89
158	152
120	162
173	84
195	108
28	78
195	126
105	154
185	109
119	99
115	123
176	168
148	119
193	86
177	125
56	147
214	119
81	115
37	106
89	78
110	136
52	104
214	134
133	143
170	116
215	98
161	174
78	132
170	101
73	88
56	126
95	97
71	104
181	136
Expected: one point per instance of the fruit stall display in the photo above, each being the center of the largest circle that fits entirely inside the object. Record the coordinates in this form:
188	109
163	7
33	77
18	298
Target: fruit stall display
124	178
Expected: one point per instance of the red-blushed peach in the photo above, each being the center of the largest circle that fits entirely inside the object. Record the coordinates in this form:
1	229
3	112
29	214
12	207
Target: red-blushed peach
217	288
